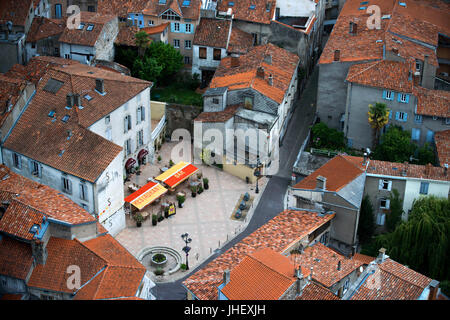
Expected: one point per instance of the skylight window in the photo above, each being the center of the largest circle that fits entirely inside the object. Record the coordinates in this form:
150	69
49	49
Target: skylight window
186	3
252	7
403	4
65	118
90	27
231	4
364	2
362	8
81	26
51	114
162	1
88	97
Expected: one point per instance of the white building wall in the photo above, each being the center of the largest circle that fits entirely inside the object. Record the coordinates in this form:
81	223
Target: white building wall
76	52
296	8
412	191
116	125
209	62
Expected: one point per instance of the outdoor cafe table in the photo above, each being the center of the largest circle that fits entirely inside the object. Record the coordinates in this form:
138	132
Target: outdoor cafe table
177	174
146	195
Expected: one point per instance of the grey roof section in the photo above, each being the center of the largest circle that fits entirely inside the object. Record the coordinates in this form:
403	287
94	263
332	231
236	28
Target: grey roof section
262	118
353	192
215	91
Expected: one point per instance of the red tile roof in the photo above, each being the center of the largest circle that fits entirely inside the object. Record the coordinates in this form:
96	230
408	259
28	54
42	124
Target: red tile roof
278	234
84	37
120	8
156	29
282	68
432	102
86	154
43	28
220	116
15	11
15	258
10	92
240	41
42	198
325	264
262	275
18	220
363	258
442	141
212	33
315	291
241	10
386	74
339	172
126	37
153	8
392	281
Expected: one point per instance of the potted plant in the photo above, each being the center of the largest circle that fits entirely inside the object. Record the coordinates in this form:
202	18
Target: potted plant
139	219
159	158
183	267
159	271
166	212
160	217
154	219
171	163
194	191
199	175
206	183
200	189
181	200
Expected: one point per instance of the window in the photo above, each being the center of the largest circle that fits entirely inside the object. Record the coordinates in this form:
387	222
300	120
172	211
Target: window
418	118
33	45
380	218
127	147
91	9
187	60
108	133
187	44
188	28
81	26
417	66
231	4
151	22
176	43
162	1
248	102
140	138
17	161
324	238
67	56
255	39
384	203
169	15
385	185
127	123
388	95
401	116
83	191
202	53
108	119
66	185
35	168
58	11
424	187
403	97
90	27
217	54
447	120
415	134
215	100
176	26
430	136
346	285
46	297
140	114
186	3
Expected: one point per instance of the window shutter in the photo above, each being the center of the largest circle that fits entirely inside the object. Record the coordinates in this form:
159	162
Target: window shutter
81	191
30	166
390	114
405	117
182	27
129	122
397	114
389	185
407	98
125	124
138	115
172	27
388	203
380	184
392	95
384	94
399	97
142	114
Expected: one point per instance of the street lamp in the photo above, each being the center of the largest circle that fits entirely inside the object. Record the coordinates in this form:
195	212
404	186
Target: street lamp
186	248
257	173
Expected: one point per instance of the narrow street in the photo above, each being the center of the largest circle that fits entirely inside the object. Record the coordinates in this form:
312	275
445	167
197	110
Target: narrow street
271	202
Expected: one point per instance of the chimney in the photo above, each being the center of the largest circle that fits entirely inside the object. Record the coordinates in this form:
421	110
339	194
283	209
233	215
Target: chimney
300	282
100	85
69	134
310	274
77	100
260	72
268	59
381	255
321	183
353	28
337	55
69	100
226	277
405	168
270	80
434	285
339	265
428	169
365	159
234	62
395	51
39	251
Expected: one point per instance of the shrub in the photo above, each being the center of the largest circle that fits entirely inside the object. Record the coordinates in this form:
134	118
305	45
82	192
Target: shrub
159	257
183	266
159	272
324	137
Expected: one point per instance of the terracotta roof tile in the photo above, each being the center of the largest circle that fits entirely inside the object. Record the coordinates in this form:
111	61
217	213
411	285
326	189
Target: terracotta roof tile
84	37
363	258
212	33
282	68
240	41
339	172
153	8
220	116
442	141
262	12
15	258
278	234
432	102
126	37
18	220
42	198
120	8
15	11
314	291
325	264
42	28
10	92
411	170
156	29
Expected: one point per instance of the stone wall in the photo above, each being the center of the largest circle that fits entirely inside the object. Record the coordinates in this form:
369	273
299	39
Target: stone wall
181	117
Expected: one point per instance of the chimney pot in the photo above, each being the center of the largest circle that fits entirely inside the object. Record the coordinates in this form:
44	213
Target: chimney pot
395	50
434	285
100	85
337	55
69	100
226	277
381	255
234	62
321	183
270	80
339	266
260	72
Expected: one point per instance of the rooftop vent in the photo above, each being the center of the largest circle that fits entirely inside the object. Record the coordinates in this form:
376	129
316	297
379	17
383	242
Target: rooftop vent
65	118
88	97
353	28
34	229
386	16
69	101
53	85
260	72
100	86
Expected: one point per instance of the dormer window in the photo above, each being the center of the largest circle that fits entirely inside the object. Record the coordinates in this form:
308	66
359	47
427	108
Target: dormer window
186	3
90	27
162	1
81	26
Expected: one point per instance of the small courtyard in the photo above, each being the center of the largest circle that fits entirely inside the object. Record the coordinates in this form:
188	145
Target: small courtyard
208	217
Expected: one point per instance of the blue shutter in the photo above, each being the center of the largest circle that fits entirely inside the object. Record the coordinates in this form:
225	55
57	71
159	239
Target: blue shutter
172	27
396	115
392	95
405	118
182	28
390	114
399	97
430	136
384	94
407	98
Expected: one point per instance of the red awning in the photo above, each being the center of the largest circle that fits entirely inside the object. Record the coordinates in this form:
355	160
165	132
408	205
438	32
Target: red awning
130	162
142	154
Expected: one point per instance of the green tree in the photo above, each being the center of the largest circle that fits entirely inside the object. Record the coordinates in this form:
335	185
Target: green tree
147	69
426	155
142	42
168	58
366	225
125	56
394	217
422	242
395	146
378	118
324	137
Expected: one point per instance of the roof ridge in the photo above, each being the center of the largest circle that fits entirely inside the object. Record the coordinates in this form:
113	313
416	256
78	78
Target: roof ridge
398	277
364	70
106	262
265	265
